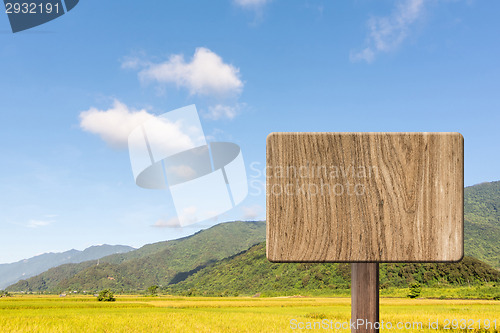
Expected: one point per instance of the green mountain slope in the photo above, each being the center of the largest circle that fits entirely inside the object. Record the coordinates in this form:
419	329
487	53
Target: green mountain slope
50	278
160	263
23	269
482	222
250	272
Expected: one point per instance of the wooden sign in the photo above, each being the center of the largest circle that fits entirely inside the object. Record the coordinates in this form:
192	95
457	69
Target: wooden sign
364	197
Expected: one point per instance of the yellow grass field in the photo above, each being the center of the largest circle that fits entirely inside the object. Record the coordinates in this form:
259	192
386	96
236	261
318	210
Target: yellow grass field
30	313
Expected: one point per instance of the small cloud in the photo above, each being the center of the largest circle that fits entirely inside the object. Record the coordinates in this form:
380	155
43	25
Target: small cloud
38	223
218	135
251	3
222	111
318	8
188	216
205	74
251	212
131	63
366	55
182	171
170	223
388	32
134	61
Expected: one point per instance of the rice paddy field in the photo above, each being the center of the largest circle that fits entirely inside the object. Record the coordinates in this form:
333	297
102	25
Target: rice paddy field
41	313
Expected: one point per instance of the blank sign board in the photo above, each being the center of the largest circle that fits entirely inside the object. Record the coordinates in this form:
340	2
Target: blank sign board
364	197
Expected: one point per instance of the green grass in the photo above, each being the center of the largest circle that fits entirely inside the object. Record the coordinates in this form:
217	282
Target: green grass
30	313
473	292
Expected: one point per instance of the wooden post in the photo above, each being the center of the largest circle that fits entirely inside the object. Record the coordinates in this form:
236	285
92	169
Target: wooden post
364	297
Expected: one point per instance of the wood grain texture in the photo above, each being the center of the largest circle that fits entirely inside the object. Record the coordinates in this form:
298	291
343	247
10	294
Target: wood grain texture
364	197
364	296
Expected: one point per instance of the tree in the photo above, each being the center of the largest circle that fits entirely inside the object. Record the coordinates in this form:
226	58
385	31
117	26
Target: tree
415	290
153	290
106	295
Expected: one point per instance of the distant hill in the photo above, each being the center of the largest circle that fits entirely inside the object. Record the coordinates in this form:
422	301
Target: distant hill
160	263
482	222
23	269
250	272
172	262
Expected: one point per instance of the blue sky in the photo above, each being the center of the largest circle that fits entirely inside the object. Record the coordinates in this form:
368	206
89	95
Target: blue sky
251	67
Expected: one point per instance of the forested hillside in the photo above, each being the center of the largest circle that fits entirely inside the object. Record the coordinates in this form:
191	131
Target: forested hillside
482	222
155	264
250	272
23	269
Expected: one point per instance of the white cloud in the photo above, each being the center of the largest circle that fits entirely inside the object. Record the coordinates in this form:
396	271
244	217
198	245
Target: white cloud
218	135
134	60
366	54
205	74
387	33
38	223
251	212
251	3
182	171
221	111
170	223
131	63
188	216
115	124
170	137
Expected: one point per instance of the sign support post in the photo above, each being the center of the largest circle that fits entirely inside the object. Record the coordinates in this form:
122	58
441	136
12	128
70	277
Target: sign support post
364	297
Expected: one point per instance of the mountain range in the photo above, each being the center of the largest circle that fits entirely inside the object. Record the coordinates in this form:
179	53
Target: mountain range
231	256
160	263
23	269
